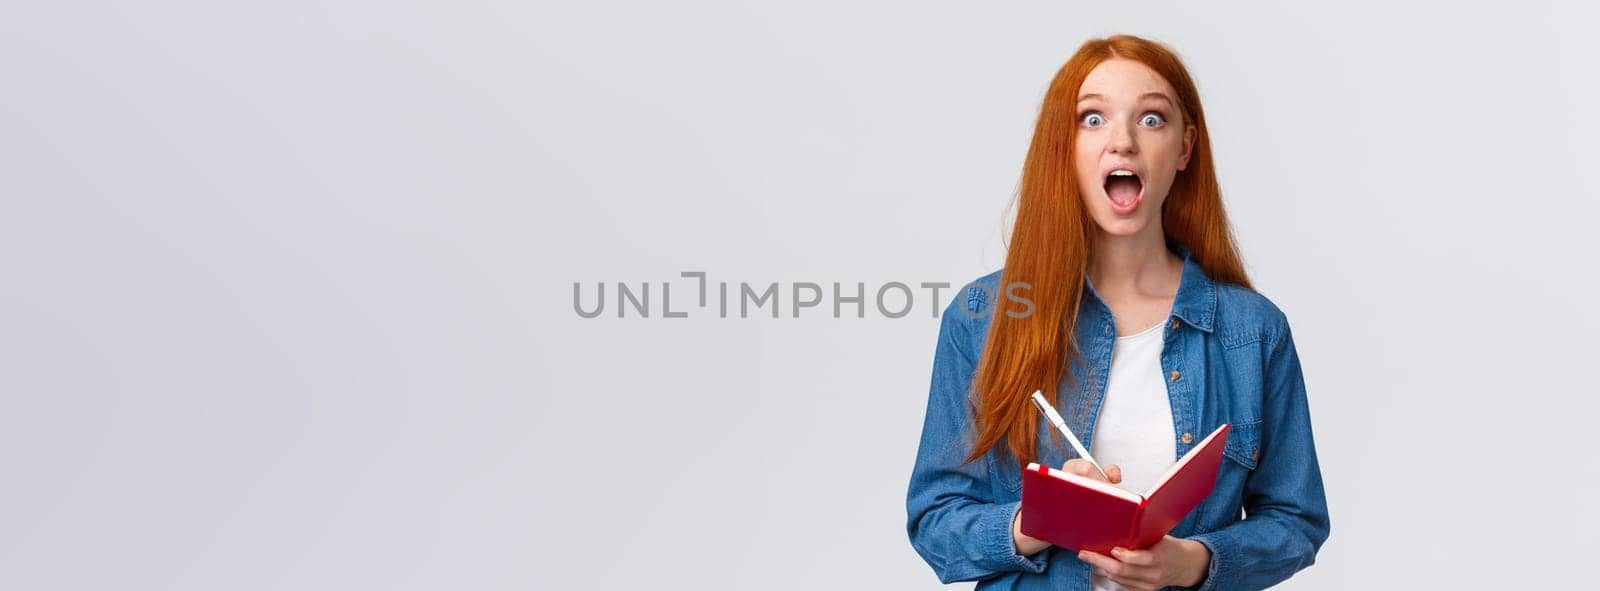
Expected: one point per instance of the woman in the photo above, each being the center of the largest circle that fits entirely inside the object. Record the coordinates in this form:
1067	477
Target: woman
1125	302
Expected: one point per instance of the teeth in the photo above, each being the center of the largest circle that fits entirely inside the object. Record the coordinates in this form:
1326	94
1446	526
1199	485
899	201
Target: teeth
1121	173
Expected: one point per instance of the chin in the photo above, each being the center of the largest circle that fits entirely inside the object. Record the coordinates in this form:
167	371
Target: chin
1119	226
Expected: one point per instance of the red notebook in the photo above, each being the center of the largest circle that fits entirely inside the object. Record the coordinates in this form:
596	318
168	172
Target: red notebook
1080	513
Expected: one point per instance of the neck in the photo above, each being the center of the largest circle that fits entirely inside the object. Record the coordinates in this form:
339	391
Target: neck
1139	263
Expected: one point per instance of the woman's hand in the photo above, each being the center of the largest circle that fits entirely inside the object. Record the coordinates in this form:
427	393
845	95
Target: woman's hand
1085	469
1026	544
1171	561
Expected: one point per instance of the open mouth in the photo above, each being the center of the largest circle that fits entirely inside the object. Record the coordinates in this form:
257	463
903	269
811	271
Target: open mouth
1124	188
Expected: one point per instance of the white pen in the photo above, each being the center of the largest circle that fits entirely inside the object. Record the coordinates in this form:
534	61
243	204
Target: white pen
1061	425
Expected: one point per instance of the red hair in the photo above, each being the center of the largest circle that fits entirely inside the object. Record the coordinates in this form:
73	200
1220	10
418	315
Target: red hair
1050	248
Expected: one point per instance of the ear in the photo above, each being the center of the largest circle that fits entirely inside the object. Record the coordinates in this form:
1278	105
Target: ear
1188	146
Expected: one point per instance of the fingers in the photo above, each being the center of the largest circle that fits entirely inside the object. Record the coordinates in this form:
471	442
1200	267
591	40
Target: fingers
1134	557
1084	468
1081	468
1134	569
1134	585
1106	563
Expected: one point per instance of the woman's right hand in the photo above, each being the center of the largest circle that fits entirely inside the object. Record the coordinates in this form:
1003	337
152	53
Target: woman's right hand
1027	544
1085	469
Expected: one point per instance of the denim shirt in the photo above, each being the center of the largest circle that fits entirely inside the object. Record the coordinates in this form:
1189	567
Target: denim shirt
1228	358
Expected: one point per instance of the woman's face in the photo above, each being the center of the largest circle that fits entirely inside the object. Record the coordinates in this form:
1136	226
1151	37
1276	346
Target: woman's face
1131	142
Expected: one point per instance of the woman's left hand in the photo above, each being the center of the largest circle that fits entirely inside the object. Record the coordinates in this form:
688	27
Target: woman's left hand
1171	561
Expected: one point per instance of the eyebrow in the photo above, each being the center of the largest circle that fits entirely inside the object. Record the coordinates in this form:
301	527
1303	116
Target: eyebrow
1146	95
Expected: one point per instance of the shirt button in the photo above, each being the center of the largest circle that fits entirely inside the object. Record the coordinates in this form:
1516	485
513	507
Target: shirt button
1174	324
1174	375
1187	438
1255	454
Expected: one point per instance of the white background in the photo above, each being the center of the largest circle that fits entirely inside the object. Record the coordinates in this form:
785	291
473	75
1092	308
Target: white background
287	287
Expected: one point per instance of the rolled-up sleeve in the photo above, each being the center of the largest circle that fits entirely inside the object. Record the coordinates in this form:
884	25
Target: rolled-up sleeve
952	515
1286	513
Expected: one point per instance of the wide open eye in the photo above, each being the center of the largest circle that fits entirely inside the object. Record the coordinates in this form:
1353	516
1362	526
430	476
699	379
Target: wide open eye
1093	119
1152	120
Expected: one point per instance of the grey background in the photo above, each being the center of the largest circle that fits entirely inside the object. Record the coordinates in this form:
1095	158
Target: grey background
287	297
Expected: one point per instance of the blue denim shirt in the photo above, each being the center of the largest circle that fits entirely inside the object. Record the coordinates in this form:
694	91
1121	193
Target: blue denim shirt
1228	357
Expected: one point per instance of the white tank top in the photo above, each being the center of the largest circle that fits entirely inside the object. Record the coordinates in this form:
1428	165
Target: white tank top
1134	429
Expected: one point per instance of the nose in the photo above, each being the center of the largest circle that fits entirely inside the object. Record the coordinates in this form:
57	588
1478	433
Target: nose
1121	141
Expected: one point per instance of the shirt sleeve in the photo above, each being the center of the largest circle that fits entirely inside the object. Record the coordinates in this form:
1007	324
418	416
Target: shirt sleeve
952	516
1286	513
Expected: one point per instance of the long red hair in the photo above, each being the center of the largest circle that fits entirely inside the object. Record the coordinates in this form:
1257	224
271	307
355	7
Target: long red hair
1050	248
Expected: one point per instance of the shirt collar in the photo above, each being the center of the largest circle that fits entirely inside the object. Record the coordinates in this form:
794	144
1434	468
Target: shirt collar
1196	302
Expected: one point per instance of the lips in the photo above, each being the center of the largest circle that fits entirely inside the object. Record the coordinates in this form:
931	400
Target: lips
1124	188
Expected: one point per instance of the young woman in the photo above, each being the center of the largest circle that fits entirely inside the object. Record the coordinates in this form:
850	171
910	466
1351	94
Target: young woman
1125	301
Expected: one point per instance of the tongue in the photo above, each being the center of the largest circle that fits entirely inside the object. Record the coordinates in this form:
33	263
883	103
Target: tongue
1123	190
